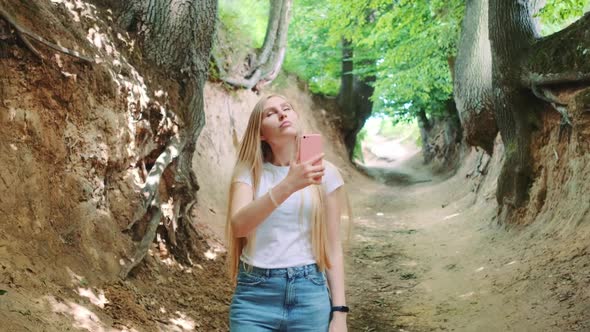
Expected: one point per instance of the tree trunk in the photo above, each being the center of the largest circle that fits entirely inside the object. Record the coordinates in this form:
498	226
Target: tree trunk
473	78
353	99
425	127
272	28
268	65
177	36
271	68
453	134
446	125
512	32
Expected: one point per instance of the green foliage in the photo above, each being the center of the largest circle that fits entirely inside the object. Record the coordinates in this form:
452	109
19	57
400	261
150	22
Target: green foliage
246	20
309	55
405	44
418	39
557	14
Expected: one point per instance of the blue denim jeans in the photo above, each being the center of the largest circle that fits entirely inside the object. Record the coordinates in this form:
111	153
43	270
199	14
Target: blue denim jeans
293	299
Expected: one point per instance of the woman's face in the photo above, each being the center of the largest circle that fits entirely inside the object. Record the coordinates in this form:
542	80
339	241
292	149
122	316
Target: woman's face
279	120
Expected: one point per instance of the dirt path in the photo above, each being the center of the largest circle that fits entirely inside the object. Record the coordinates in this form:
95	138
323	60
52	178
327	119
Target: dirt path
426	258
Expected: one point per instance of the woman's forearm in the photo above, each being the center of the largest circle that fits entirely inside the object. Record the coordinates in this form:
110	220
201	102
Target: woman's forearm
246	219
336	275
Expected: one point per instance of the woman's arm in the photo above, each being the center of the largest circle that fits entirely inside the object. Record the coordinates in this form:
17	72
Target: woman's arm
248	213
335	274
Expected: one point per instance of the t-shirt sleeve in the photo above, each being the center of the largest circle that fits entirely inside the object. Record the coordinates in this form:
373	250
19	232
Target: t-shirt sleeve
243	176
332	178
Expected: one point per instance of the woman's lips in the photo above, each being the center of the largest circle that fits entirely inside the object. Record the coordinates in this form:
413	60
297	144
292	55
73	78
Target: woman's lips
285	124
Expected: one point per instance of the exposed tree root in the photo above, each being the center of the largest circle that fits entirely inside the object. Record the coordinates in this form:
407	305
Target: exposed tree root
23	34
144	245
246	83
565	125
151	202
555	79
264	68
153	179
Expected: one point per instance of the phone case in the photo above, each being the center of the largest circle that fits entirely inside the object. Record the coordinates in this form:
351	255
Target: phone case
310	146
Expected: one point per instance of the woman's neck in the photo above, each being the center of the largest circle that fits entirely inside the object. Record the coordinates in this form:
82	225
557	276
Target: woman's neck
282	154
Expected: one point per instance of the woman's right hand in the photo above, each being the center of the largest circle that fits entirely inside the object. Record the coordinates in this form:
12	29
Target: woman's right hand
304	174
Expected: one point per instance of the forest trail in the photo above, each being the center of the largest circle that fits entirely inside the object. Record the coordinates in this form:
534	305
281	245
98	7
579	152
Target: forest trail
426	256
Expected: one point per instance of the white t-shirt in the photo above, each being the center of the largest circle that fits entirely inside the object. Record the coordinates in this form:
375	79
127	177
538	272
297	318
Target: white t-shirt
283	239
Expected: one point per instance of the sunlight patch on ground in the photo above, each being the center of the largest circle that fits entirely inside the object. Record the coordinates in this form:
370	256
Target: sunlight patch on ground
98	300
214	250
467	295
77	8
390	149
209	254
82	317
183	321
451	216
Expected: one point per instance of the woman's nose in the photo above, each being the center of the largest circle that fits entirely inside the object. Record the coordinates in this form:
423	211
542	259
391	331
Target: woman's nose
282	115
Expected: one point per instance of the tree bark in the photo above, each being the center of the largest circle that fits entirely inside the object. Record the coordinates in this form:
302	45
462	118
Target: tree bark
177	36
473	78
272	28
425	127
353	99
512	32
268	65
553	59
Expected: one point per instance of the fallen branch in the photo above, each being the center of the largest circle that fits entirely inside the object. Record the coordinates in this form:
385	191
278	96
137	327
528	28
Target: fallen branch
23	33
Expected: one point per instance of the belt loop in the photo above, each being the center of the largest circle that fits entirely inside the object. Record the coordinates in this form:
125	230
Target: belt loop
267	273
306	270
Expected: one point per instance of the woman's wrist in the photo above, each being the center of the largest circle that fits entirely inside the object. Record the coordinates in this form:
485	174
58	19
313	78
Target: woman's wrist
284	189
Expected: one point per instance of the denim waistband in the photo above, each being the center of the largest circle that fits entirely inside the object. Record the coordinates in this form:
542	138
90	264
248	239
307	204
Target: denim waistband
304	270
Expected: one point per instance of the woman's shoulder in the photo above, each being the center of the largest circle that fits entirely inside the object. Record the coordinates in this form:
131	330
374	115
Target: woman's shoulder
332	177
330	167
242	173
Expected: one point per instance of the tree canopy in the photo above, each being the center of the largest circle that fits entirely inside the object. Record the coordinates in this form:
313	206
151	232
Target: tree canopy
407	45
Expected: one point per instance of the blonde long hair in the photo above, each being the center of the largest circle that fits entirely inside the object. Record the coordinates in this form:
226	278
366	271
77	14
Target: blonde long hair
252	153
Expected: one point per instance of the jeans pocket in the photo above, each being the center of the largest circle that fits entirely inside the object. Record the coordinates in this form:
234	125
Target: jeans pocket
317	278
247	279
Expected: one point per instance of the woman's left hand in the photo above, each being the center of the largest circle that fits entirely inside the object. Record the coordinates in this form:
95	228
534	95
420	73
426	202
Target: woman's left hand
338	323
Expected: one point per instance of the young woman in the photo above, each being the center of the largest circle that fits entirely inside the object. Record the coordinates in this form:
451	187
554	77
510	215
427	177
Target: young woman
283	230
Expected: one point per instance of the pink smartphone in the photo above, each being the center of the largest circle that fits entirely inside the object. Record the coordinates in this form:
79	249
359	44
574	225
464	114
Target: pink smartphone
310	146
